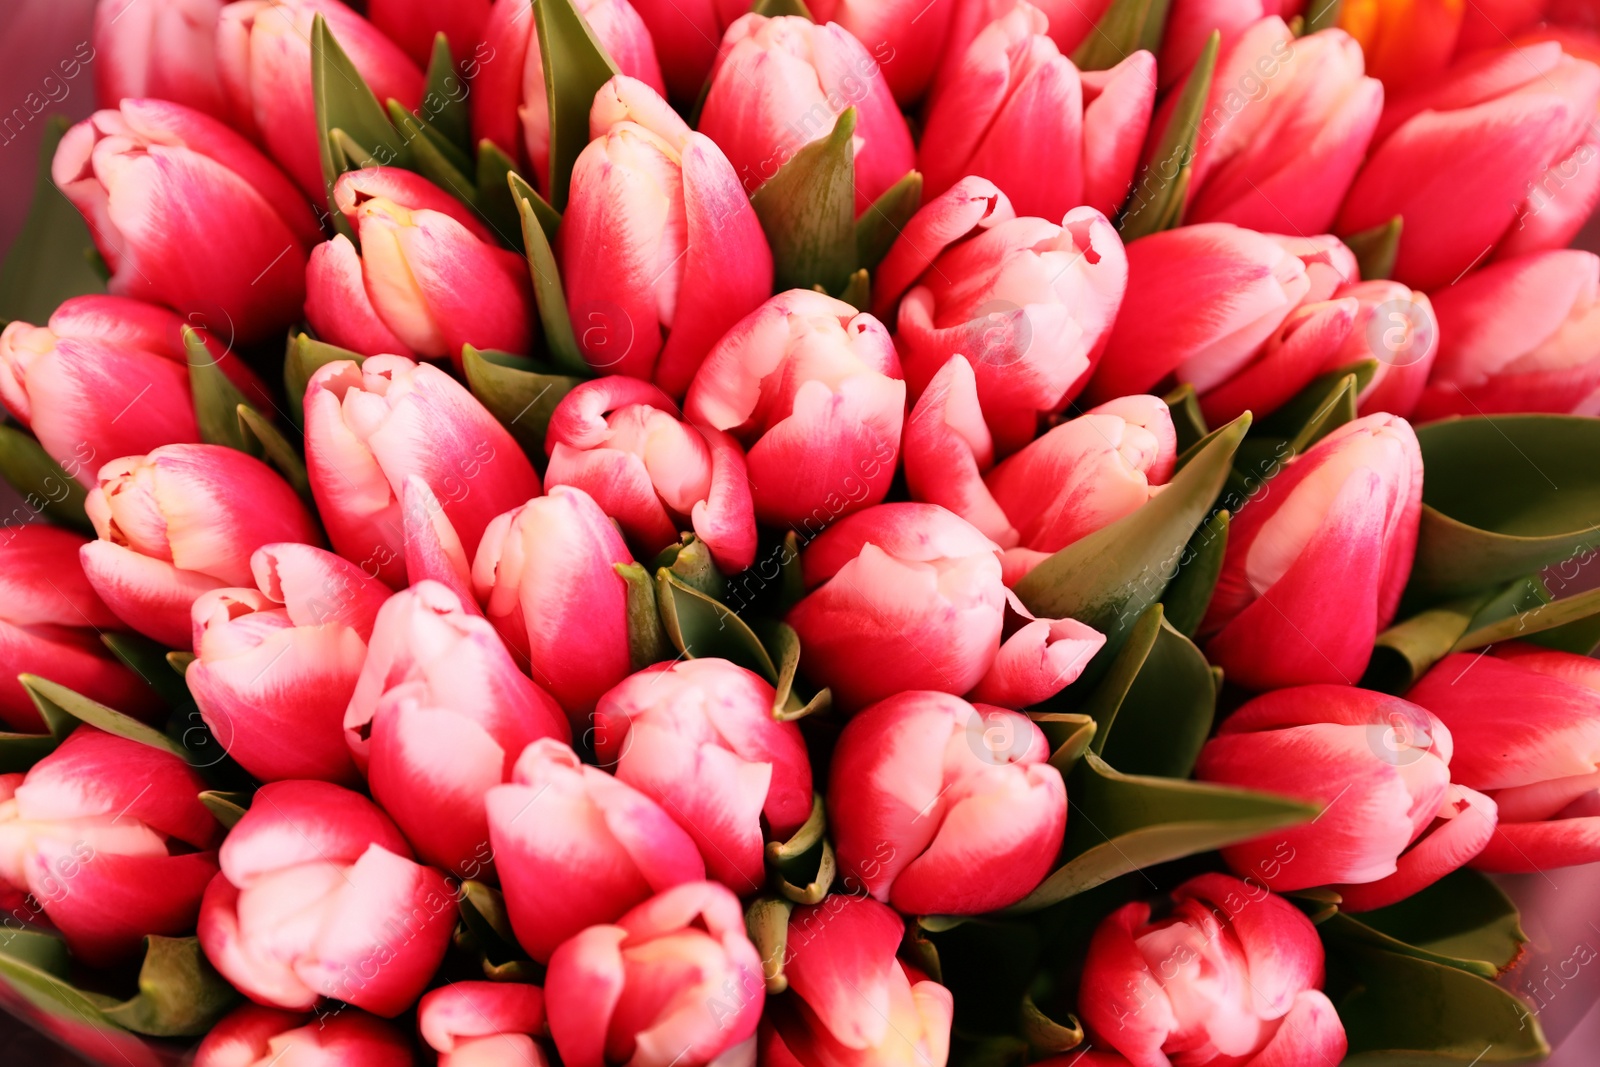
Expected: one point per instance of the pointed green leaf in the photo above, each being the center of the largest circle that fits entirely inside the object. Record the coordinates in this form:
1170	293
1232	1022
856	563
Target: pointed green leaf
1406	650
148	659
18	752
1580	637
766	921
495	201
344	102
1126	27
52	994
46	488
702	628
518	393
180	993
647	643
1164	716
783	644
575	67
1325	404
1463	920
1187	598
1529	619
180	661
444	97
882	222
691	560
439	161
1044	1035
303	358
1068	733
778	8
228	807
857	291
46	263
267	441
37	948
350	154
1184	405
216	399
62	711
807	210
1162	188
804	866
1376	249
816	887
1106	699
547	291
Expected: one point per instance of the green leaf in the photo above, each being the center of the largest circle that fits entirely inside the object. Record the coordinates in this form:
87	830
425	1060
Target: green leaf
148	659
1044	1035
180	994
518	392
575	67
1126	27
1184	405
228	807
1533	619
766	921
303	358
807	210
646	642
62	711
47	262
444	98
804	866
547	290
1068	733
267	441
1463	920
1125	823
489	905
1327	403
52	993
1163	187
18	752
857	291
882	222
496	202
1189	595
216	399
1322	15
1376	249
180	661
46	488
344	102
437	160
1406	650
691	560
778	8
1154	709
37	948
703	628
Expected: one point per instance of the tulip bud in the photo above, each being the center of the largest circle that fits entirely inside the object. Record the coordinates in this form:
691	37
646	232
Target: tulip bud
179	521
906	38
438	717
1068	23
677	970
165	49
780	83
508	100
318	897
253	1036
275	668
1342	516
623	442
110	841
1397	327
1233	975
698	737
660	251
546	576
413	24
812	389
1018	112
938	806
429	277
264	57
1407	44
484	1024
577	847
152	179
50	622
1190	24
1392	822
371	426
1519	336
908	596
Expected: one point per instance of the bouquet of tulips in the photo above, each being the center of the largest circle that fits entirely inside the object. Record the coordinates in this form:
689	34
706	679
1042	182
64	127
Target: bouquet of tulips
971	532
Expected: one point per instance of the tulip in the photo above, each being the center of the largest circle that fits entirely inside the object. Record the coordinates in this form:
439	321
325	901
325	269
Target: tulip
686	33
674	981
277	663
1191	23
1341	516
1029	303
371	426
50	622
166	49
660	251
1069	23
264	57
1407	44
812	389
318	897
546	576
1541	766
413	24
483	1024
508	94
1396	326
780	83
429	277
109	838
906	38
698	737
1019	113
1519	336
909	596
253	1036
153	179
179	521
854	1003
938	806
439	716
1232	976
623	442
1392	822
577	847
1503	141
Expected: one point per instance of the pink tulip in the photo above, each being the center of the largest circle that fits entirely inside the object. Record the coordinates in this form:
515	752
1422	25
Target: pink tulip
1029	303
686	33
508	94
1523	335
1501	142
674	981
372	426
577	847
698	737
155	181
439	716
909	596
412	24
1232	976
812	389
938	806
277	662
660	251
623	442
1392	821
50	625
1017	112
1191	22
166	49
484	1024
1397	327
179	521
1343	515
906	38
253	1036
264	57
854	1003
546	576
780	83
110	841
429	278
1541	766
1069	23
318	897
